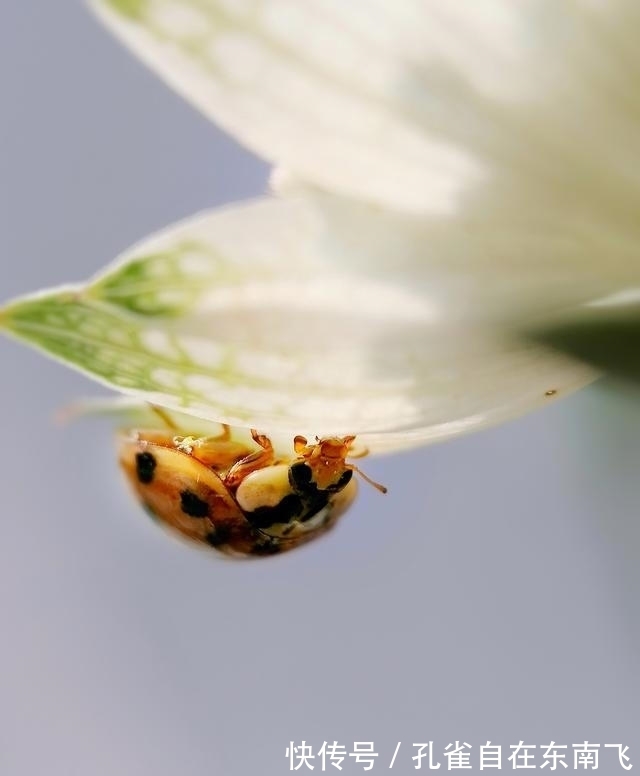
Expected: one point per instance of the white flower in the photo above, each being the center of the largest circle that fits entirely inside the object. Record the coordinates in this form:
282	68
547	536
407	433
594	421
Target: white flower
450	175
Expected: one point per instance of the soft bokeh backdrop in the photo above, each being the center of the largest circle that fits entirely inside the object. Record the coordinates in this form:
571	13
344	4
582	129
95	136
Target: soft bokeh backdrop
493	594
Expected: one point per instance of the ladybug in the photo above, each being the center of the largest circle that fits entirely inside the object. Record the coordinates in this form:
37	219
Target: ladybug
242	499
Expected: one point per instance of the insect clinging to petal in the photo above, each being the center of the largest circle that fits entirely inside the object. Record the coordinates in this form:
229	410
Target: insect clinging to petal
241	498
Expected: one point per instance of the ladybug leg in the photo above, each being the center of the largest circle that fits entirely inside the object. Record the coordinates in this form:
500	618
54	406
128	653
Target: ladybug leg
300	446
224	436
360	453
252	462
164	416
206	441
218	452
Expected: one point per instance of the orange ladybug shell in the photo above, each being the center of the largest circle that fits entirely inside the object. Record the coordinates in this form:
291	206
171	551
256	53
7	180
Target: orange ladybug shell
190	499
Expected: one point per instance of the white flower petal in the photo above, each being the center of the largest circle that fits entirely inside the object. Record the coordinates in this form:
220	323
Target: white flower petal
414	104
301	84
243	316
496	262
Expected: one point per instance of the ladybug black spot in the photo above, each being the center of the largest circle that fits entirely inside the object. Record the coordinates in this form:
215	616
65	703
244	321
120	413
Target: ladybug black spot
300	477
145	467
345	479
268	547
314	504
221	535
284	512
193	505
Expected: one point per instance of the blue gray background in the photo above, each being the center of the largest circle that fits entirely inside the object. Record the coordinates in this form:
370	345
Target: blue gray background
493	594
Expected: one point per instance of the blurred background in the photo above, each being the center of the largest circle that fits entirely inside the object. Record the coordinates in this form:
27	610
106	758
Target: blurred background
492	595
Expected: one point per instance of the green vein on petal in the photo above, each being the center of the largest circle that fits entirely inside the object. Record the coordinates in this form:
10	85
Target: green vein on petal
245	316
165	283
132	9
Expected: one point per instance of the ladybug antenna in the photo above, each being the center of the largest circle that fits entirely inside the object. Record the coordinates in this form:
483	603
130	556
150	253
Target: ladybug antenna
376	485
